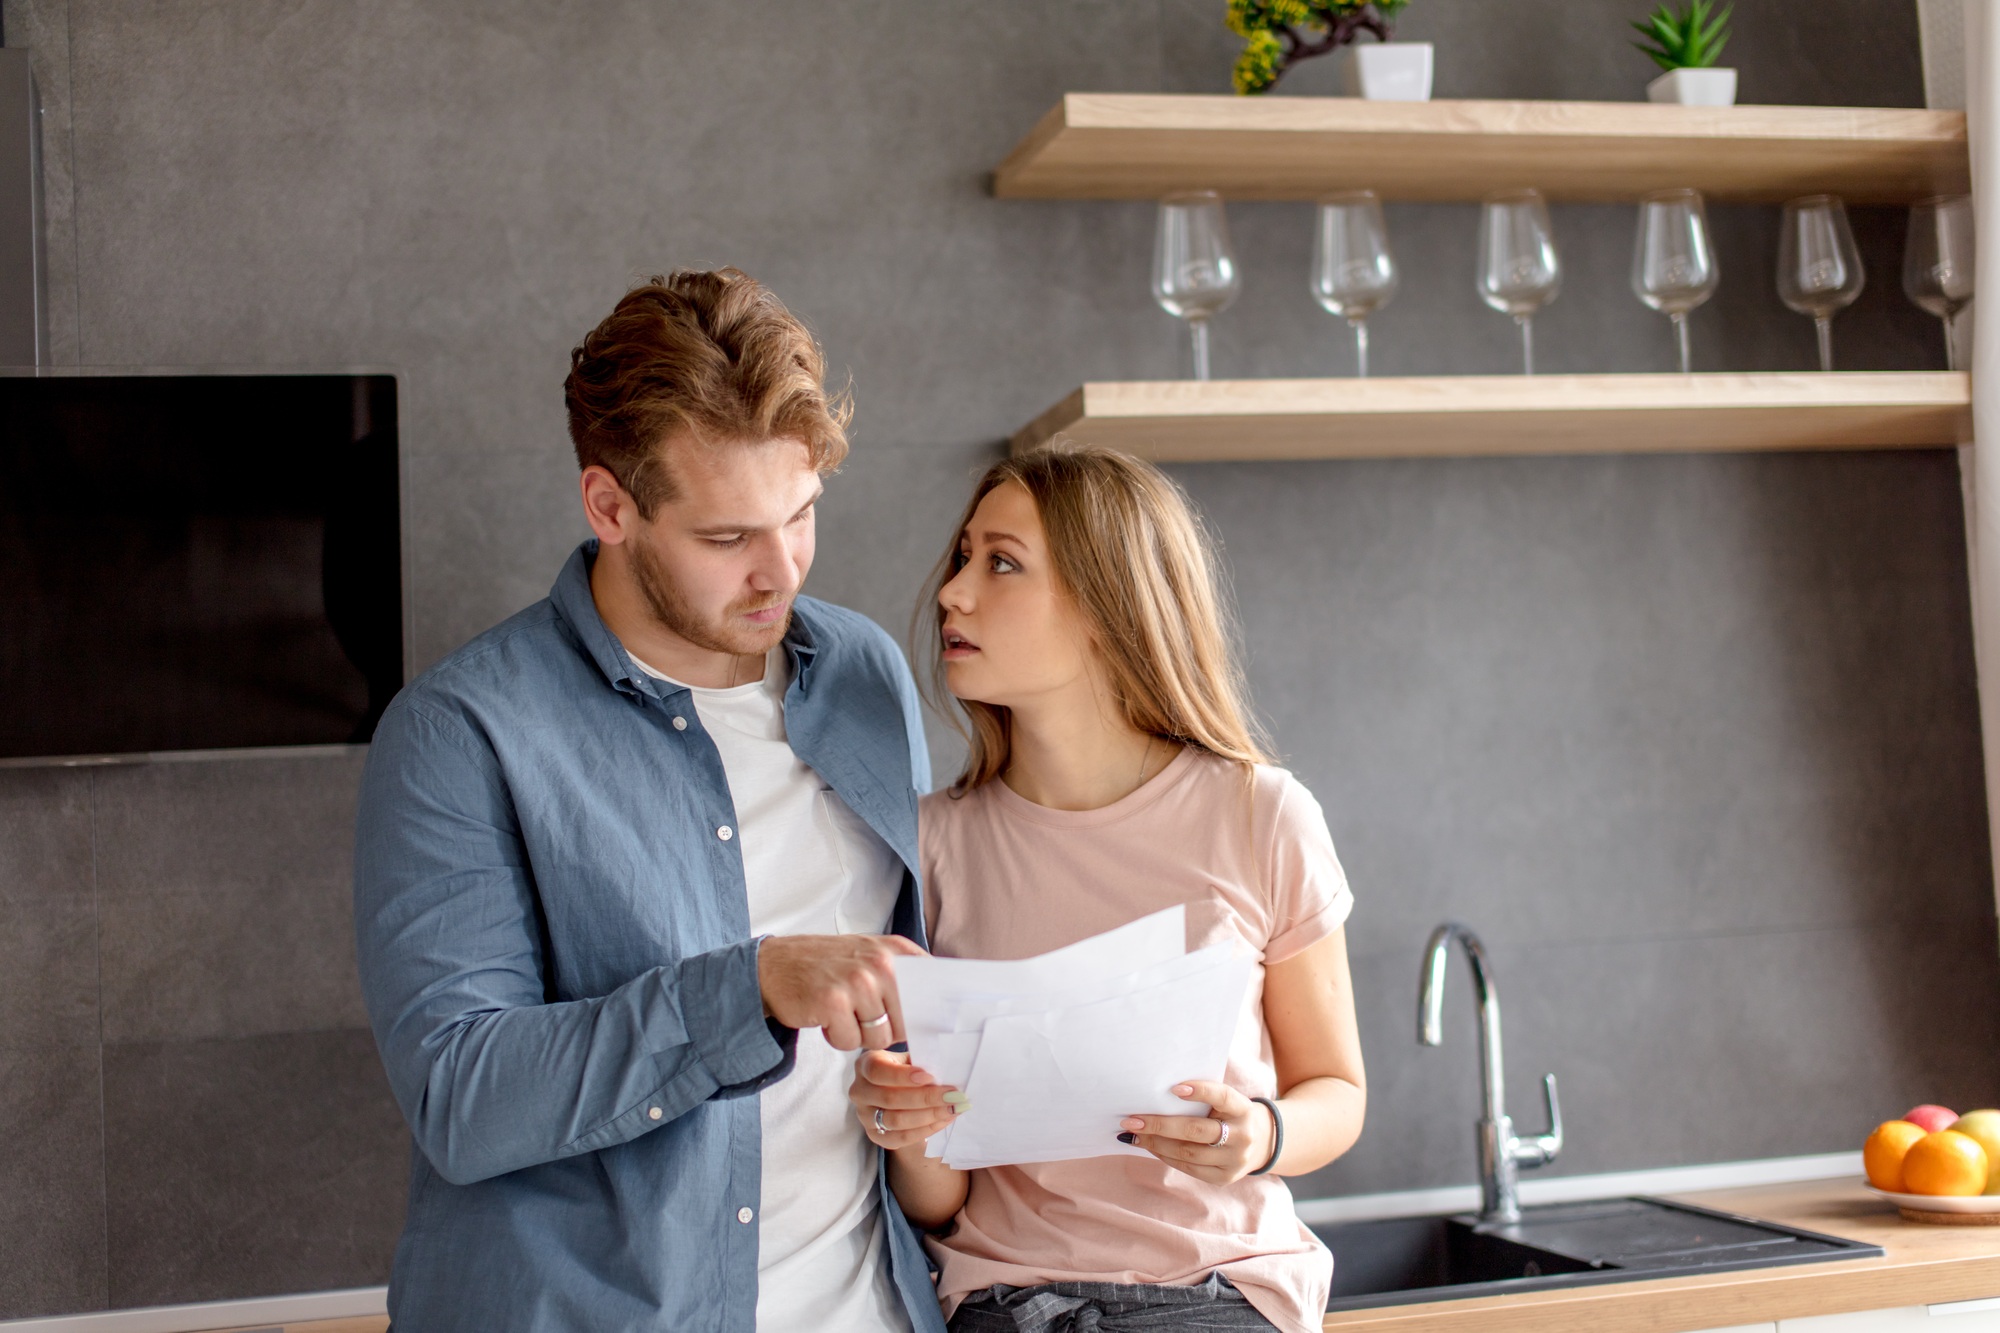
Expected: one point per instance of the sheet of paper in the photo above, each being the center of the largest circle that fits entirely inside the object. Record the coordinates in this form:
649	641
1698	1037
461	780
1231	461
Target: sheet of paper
947	1001
1052	1086
954	1053
933	991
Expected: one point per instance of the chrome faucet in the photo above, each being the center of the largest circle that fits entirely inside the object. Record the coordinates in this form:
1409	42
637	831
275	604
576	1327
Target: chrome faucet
1501	1154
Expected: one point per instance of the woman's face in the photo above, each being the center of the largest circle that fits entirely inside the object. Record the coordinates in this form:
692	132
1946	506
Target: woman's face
1011	636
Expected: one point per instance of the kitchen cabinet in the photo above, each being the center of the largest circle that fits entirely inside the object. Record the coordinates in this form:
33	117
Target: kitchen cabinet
1980	1316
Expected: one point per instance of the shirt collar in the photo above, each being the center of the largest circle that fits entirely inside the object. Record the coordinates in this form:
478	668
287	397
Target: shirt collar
578	609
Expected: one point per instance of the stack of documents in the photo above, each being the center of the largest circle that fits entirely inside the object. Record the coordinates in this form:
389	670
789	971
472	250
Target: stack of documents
1052	1052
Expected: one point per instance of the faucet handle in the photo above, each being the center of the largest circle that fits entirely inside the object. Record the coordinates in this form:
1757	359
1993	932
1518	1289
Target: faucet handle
1543	1148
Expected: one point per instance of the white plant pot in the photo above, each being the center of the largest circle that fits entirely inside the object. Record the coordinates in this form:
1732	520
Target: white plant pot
1387	71
1694	87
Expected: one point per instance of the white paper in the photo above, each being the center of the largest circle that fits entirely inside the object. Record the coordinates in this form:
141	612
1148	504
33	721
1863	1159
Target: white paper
934	991
1054	1051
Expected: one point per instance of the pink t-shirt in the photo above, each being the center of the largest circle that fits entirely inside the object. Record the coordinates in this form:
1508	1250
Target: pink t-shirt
1250	856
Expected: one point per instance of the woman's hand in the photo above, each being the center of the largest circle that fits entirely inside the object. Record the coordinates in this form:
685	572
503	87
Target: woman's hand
898	1103
1222	1147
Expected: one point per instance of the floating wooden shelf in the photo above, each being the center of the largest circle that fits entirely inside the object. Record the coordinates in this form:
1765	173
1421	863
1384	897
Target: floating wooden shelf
1185	421
1139	146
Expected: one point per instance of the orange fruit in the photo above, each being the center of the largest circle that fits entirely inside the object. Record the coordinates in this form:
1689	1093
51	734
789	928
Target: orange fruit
1946	1162
1882	1155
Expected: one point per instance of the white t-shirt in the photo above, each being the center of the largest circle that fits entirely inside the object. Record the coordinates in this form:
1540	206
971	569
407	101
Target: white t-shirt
812	867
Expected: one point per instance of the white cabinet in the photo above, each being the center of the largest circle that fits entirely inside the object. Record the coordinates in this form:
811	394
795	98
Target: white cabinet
1952	1317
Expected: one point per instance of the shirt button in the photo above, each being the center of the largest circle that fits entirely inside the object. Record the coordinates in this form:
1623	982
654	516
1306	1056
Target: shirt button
725	833
654	1113
680	724
744	1215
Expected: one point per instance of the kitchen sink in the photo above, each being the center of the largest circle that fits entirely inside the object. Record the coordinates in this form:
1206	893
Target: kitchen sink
1401	1260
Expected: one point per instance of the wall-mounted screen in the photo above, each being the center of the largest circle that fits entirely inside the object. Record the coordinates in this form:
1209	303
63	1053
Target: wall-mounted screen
195	562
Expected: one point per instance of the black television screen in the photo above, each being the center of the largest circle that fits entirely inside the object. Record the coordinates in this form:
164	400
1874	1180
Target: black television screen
194	562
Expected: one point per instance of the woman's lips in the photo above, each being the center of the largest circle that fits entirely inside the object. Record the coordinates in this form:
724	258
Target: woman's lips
957	646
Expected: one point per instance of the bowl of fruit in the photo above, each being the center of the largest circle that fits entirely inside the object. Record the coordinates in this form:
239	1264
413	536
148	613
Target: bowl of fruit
1937	1166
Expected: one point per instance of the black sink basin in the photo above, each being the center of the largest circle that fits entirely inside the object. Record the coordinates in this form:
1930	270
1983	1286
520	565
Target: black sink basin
1397	1261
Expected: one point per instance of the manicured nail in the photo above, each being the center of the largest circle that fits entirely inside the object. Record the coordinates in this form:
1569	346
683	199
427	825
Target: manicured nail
956	1096
1184	1090
1128	1138
960	1108
1133	1122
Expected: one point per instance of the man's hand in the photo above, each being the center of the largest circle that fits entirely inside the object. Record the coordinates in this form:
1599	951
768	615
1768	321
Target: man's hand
841	984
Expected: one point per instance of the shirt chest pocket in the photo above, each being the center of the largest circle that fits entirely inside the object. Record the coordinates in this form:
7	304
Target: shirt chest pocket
872	874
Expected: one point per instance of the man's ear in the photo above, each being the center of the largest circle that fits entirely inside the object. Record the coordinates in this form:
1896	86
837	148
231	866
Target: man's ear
607	506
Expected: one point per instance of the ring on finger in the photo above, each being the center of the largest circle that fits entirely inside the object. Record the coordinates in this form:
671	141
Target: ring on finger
880	1127
1223	1137
876	1021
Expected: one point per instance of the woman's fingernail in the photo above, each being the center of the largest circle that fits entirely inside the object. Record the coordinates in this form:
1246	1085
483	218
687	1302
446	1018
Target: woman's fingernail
956	1096
960	1108
1184	1090
1128	1138
1133	1122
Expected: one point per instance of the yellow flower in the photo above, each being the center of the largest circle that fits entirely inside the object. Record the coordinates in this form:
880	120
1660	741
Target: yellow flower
1259	65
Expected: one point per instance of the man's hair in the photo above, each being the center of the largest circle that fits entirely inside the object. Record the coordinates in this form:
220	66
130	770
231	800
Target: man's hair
711	355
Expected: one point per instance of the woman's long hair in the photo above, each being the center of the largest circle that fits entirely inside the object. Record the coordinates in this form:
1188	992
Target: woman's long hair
1129	552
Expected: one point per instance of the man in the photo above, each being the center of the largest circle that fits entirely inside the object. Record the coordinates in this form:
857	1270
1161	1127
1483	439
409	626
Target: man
615	852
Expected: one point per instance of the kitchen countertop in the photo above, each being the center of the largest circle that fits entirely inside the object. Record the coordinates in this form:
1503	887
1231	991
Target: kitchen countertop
1922	1265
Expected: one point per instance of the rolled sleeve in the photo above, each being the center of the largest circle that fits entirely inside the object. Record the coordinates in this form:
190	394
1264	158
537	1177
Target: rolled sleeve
742	1049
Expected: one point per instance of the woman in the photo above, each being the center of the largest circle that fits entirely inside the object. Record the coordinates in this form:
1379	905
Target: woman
1114	772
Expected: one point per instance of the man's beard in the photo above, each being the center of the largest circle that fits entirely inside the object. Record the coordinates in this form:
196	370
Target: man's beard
717	636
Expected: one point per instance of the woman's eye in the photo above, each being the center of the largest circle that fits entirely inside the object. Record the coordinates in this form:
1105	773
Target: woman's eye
959	560
1002	565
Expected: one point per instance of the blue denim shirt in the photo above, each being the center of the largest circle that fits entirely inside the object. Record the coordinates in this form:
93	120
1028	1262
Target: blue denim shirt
554	943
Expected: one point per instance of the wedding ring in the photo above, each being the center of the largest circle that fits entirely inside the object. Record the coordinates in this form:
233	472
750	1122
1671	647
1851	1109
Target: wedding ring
1223	1137
876	1021
880	1128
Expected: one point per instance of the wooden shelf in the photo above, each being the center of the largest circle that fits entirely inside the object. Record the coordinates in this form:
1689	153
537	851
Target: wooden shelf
1140	146
1185	421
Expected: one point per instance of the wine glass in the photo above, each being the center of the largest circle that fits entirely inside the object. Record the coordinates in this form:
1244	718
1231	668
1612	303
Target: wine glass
1353	273
1819	270
1518	269
1673	265
1937	262
1194	273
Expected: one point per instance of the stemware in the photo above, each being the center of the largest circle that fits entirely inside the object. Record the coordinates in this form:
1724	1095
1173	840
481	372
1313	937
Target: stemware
1819	270
1194	271
1353	273
1518	269
1937	263
1673	264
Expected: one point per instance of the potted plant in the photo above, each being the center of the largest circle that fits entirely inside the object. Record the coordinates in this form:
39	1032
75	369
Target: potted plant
1280	33
1686	45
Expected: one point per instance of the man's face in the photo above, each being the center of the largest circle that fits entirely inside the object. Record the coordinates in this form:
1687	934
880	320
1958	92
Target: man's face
720	564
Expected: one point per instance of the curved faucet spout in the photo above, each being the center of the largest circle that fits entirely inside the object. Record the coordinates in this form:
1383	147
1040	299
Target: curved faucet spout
1430	1008
1501	1154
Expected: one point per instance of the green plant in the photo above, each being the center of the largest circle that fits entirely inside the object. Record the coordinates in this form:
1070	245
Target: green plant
1691	39
1280	33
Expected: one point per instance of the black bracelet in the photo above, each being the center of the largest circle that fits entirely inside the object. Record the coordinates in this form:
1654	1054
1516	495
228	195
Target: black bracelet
1278	1142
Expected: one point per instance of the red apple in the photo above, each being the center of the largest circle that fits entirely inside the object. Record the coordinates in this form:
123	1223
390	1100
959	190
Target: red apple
1931	1118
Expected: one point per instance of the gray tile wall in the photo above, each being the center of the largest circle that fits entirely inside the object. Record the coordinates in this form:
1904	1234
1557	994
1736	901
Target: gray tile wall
1691	740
